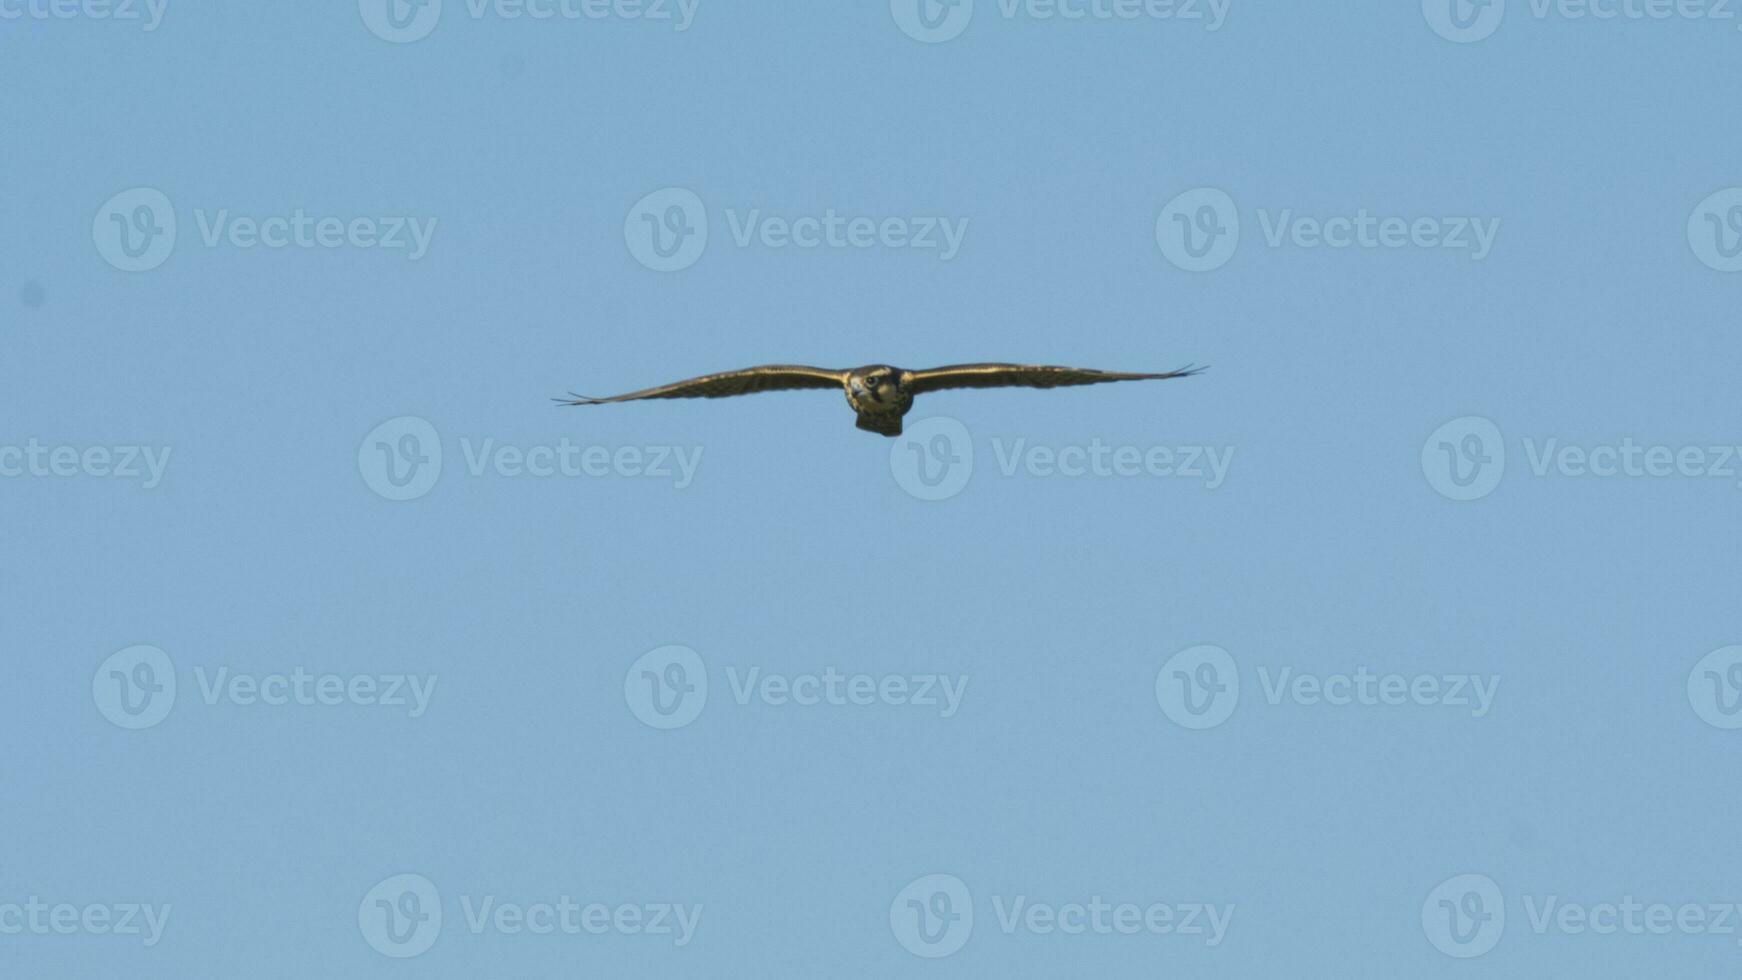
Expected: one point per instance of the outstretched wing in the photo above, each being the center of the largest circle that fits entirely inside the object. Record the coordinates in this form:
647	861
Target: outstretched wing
1022	376
768	377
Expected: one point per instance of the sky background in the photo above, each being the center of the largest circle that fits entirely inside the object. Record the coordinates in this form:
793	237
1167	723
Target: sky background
544	607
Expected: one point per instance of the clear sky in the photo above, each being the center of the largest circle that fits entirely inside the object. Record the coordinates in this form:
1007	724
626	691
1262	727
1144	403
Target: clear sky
1402	641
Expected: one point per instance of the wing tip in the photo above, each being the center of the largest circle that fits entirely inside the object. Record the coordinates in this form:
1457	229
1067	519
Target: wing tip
575	399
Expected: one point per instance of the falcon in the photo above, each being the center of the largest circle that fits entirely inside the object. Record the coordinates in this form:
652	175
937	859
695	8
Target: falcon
878	393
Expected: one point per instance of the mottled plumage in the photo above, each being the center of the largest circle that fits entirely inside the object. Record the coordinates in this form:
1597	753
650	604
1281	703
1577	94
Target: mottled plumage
878	393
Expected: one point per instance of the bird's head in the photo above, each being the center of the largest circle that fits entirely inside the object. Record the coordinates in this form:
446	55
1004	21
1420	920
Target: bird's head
877	382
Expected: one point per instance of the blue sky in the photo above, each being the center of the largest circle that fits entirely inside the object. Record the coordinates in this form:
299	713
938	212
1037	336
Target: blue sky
1402	639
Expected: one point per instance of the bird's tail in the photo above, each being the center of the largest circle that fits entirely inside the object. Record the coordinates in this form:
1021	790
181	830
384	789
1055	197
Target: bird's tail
887	425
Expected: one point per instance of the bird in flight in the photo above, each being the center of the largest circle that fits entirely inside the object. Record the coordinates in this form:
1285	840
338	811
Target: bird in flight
878	393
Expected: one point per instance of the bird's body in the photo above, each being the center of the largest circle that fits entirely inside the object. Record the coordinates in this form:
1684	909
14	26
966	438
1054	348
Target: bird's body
880	394
876	396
